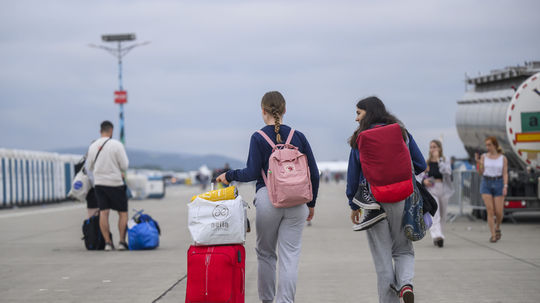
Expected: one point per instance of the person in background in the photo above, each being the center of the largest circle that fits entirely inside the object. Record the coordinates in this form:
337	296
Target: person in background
493	167
108	161
438	181
91	199
281	227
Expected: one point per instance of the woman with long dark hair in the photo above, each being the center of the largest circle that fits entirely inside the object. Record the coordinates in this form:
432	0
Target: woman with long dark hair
392	251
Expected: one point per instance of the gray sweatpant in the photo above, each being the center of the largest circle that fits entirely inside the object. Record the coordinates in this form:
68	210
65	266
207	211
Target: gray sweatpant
282	227
392	253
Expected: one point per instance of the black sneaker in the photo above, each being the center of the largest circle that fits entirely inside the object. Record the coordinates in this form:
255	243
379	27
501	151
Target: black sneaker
438	242
364	198
369	218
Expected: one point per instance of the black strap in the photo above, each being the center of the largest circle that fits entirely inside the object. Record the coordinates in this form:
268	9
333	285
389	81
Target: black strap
99	149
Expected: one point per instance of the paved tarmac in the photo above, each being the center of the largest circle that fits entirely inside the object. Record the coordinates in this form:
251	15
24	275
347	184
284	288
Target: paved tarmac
42	258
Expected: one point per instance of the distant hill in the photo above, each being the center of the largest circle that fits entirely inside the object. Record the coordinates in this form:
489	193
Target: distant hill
168	161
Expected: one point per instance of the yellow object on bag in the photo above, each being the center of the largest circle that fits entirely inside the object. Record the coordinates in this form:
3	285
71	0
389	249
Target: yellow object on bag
227	193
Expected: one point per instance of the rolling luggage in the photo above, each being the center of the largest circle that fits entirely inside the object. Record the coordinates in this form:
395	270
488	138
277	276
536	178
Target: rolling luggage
216	274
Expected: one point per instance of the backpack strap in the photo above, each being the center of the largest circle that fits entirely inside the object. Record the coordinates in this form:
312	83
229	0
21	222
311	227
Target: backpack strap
265	136
289	138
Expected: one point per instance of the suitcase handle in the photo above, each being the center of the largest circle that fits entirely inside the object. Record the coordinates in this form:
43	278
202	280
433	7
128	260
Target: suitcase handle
242	286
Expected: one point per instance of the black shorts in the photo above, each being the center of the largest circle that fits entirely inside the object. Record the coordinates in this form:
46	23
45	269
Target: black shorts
112	197
91	200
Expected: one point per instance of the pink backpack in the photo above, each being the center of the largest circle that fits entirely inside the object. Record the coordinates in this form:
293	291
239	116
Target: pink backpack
288	180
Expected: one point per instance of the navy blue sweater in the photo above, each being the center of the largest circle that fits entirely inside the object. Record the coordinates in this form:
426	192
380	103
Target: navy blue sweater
355	175
259	153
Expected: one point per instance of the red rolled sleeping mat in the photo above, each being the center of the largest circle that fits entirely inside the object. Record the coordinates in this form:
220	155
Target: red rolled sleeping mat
386	163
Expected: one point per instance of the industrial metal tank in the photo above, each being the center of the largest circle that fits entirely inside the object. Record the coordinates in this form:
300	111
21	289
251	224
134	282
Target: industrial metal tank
487	109
505	103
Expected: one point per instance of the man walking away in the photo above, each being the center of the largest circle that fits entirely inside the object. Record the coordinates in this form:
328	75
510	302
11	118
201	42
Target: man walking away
108	161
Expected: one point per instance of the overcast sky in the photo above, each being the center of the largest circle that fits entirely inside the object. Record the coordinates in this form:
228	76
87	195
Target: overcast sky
196	88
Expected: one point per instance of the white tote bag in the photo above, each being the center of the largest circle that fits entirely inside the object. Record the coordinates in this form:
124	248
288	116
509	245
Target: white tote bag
80	186
216	223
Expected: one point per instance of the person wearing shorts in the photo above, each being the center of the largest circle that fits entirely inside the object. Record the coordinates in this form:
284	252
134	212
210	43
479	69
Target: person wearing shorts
493	166
109	187
109	197
492	186
91	202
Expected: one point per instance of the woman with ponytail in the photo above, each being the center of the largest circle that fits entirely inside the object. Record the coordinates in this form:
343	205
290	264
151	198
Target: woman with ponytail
281	227
493	167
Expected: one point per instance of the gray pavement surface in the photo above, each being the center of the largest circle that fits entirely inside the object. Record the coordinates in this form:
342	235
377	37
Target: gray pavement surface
42	258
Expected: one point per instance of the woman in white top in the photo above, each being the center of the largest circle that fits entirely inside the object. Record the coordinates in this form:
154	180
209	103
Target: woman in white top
493	167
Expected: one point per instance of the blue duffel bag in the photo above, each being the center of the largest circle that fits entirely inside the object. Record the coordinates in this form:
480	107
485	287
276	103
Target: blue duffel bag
143	232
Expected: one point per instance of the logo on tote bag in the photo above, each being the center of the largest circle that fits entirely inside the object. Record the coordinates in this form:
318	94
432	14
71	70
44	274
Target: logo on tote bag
221	213
77	185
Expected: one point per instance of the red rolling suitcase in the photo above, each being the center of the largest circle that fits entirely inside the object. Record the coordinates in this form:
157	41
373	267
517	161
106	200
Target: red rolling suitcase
216	274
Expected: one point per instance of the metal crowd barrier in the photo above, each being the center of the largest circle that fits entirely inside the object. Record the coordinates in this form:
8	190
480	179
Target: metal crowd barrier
31	178
466	194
